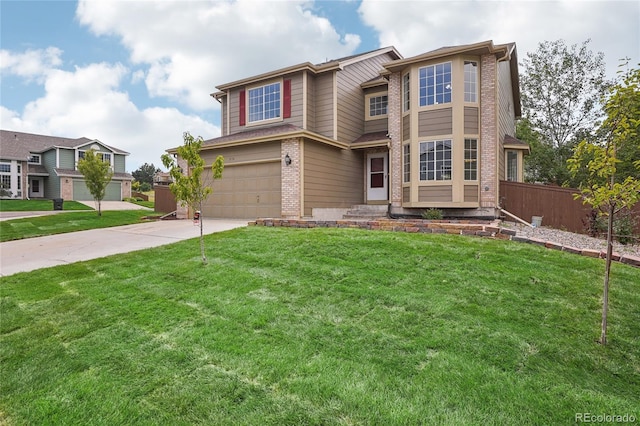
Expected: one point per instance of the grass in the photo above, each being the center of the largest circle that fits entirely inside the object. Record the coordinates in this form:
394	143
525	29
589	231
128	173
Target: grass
38	205
67	222
320	326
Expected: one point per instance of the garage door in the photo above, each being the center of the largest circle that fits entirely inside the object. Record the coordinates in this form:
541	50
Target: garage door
246	191
81	192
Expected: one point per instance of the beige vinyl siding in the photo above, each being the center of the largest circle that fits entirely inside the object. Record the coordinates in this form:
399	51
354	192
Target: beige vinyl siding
471	193
406	194
376	125
52	182
296	100
223	115
351	97
435	122
506	119
435	194
471	121
119	163
332	177
324	105
234	112
311	102
406	127
67	159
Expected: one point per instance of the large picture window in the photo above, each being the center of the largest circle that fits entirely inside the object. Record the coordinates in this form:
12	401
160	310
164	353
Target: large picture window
435	160
470	159
264	102
435	84
470	81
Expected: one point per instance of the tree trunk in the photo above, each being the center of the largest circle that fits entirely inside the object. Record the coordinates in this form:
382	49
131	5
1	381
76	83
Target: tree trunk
204	257
607	271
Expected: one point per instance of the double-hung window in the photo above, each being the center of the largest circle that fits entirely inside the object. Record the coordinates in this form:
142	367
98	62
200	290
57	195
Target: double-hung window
378	105
435	84
512	166
406	163
470	159
264	102
34	159
435	160
406	93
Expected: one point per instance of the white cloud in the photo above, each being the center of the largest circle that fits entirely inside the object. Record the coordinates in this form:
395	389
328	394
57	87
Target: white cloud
32	64
87	102
190	47
414	27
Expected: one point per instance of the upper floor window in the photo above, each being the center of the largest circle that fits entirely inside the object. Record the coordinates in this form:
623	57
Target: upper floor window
376	105
435	84
435	160
104	156
470	81
34	159
264	102
406	93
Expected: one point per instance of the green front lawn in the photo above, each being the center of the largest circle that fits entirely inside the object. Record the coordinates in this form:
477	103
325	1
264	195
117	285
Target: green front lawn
38	205
39	226
320	326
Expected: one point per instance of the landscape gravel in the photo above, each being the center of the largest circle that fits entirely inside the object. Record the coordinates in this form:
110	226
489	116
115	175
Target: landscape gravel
571	239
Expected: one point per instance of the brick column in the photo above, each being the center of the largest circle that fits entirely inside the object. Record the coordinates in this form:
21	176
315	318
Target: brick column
488	132
291	178
394	109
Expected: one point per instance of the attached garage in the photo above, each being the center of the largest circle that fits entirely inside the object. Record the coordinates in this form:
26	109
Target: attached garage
81	192
251	184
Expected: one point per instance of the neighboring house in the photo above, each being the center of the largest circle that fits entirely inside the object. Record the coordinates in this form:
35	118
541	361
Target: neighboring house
37	166
431	131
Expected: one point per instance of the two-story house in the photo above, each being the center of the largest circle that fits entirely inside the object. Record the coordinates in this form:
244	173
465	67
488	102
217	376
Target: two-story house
39	166
431	131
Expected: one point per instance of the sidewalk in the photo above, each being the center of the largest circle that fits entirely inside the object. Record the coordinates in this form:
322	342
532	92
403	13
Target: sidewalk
42	252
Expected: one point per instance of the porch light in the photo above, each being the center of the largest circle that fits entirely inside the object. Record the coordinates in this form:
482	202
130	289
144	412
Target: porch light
287	160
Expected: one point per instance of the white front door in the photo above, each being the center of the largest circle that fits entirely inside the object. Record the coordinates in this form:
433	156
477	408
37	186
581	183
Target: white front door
35	188
377	177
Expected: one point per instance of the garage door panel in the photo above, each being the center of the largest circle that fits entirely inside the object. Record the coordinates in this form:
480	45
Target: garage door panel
247	191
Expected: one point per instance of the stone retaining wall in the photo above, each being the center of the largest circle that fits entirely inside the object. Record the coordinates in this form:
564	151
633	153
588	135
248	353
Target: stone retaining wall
479	228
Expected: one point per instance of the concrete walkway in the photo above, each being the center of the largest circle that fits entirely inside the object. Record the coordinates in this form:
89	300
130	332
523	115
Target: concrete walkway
42	252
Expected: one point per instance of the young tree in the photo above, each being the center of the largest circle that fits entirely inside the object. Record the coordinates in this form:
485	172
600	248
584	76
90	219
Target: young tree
189	186
561	87
618	131
97	175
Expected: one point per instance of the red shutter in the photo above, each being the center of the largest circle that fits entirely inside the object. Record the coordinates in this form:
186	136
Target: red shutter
286	99
243	116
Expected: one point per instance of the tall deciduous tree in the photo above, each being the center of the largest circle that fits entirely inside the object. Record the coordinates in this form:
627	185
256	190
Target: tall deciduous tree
145	173
618	133
561	91
97	175
189	186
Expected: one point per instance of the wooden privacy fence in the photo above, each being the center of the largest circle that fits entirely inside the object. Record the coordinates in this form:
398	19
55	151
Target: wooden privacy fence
164	202
555	204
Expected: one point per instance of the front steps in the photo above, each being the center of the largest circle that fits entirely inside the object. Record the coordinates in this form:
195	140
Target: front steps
366	212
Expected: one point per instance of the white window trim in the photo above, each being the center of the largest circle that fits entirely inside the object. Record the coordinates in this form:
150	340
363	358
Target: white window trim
519	165
451	83
452	161
111	155
247	121
31	154
367	106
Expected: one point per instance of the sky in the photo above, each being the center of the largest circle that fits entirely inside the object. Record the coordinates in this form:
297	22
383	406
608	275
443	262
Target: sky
136	74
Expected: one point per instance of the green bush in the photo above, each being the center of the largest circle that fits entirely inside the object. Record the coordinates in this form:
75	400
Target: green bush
432	214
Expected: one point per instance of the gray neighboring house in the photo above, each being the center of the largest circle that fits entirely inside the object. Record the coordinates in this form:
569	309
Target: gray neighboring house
39	166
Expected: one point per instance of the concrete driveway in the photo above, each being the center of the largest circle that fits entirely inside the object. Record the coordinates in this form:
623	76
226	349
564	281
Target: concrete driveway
42	252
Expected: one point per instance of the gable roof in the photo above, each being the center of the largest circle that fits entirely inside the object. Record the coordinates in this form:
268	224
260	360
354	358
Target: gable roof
331	65
18	145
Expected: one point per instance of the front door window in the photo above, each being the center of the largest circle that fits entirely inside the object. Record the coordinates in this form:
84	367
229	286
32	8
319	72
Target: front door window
377	177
